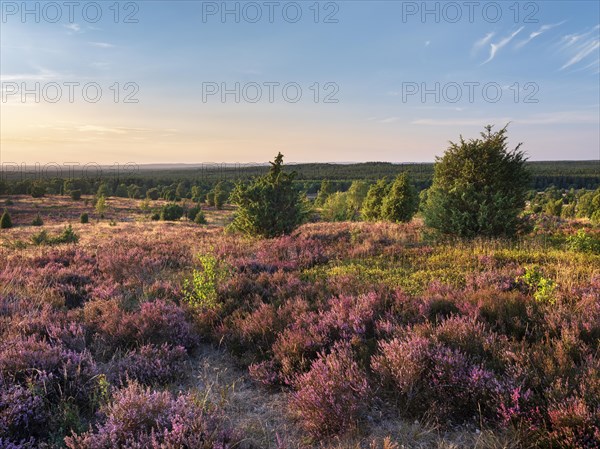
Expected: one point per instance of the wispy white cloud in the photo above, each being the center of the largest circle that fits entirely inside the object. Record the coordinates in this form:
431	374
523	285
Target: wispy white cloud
581	46
535	34
74	27
101	44
42	74
494	48
109	130
569	40
483	41
389	120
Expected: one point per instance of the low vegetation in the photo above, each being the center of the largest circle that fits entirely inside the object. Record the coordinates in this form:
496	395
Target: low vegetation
176	323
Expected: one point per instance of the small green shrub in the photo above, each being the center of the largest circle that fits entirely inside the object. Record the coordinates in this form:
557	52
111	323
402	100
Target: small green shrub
201	291
101	206
153	194
9	202
5	220
38	191
200	218
335	208
401	202
145	205
41	238
541	287
66	236
84	218
76	194
371	206
37	221
595	218
192	212
171	212
584	242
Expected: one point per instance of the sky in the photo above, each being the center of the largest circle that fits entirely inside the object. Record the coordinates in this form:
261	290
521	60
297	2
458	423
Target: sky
194	82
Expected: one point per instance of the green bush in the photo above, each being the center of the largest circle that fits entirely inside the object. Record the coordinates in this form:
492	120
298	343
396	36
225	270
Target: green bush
584	242
38	190
5	220
595	218
479	188
269	206
153	194
40	238
84	218
182	191
326	190
200	218
210	198
201	290
355	196
541	287
37	221
171	212
101	206
169	195
192	212
217	196
568	211
554	207
103	191
371	209
76	194
401	202
121	191
66	236
336	208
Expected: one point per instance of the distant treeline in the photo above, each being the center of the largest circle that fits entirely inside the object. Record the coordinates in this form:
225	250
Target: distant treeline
560	174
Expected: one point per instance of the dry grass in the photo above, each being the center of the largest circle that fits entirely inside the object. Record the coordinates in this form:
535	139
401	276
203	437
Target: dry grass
262	415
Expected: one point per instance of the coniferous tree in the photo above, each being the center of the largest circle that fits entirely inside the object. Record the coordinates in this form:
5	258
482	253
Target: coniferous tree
401	202
479	187
371	209
325	191
269	206
5	220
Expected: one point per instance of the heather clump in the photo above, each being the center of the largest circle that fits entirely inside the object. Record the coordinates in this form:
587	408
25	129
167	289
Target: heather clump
157	322
332	394
430	378
55	387
139	417
150	365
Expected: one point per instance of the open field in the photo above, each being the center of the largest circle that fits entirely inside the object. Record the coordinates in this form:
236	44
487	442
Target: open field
339	336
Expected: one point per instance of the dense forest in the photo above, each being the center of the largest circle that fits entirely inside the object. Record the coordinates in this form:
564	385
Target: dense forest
560	174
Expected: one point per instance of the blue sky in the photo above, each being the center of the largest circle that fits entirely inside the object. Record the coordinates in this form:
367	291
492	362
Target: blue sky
540	60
